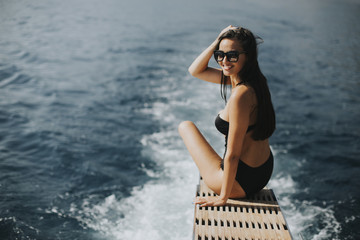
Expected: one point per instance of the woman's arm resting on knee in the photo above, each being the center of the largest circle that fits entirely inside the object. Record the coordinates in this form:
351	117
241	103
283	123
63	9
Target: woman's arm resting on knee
239	112
230	167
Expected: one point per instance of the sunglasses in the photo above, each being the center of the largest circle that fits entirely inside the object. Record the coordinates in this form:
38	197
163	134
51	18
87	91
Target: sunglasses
232	56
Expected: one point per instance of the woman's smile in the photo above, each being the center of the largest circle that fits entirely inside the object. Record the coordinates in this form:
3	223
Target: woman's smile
227	67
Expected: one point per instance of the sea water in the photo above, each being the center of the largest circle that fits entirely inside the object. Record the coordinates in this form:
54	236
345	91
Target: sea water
92	92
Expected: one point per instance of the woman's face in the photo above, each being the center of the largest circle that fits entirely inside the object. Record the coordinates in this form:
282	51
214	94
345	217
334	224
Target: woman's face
231	68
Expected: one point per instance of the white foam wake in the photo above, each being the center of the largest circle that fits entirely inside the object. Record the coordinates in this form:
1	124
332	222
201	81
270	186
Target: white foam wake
160	209
303	215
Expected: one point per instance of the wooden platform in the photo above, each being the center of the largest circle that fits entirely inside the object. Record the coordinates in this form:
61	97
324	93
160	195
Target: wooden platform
255	218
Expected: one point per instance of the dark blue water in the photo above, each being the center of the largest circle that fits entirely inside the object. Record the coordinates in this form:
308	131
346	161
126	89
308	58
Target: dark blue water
91	93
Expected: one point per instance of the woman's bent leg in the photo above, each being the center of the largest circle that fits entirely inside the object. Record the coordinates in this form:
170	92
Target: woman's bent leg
204	156
206	159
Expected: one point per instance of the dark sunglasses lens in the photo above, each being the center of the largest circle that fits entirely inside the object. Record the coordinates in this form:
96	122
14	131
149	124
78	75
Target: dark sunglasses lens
219	56
232	56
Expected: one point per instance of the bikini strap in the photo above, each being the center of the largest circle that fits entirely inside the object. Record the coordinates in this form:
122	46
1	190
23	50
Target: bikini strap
242	82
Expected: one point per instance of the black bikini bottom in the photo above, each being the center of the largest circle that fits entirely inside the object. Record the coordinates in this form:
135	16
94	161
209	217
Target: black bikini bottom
253	179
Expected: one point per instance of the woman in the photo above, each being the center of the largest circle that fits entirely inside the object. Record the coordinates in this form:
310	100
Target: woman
247	121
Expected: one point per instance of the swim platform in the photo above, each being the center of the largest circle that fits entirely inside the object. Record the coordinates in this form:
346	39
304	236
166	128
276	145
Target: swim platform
258	217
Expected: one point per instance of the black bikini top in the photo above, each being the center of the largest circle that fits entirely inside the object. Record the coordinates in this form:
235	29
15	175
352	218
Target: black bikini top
223	126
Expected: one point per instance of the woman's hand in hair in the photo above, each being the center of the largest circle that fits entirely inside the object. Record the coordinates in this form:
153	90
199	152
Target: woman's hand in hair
230	27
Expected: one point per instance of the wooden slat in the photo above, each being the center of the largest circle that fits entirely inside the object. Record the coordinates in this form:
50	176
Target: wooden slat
258	217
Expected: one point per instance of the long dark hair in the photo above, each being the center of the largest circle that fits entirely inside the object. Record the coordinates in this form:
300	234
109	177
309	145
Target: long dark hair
251	75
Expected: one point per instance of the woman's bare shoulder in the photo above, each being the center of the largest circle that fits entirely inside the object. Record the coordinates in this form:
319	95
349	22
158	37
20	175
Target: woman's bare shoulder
242	93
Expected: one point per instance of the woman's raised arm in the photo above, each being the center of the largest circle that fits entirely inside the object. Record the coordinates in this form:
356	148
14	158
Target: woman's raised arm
200	69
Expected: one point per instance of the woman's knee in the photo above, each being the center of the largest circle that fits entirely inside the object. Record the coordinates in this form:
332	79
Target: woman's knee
185	125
